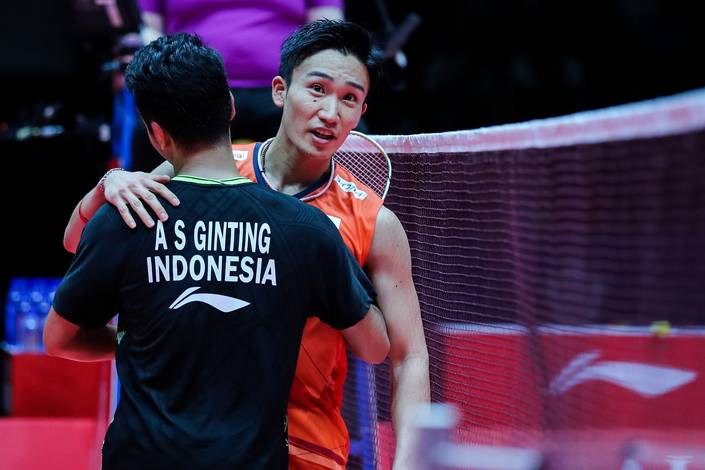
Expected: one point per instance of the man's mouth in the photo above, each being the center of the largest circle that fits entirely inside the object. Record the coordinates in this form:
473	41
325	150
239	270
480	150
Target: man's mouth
323	134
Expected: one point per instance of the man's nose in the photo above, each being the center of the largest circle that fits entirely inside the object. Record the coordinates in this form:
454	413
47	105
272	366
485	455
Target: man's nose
328	110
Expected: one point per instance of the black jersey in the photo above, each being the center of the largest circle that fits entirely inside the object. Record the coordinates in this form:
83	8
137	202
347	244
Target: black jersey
212	306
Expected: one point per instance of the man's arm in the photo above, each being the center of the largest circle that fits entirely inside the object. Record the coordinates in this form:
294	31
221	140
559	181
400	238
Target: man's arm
389	267
341	294
125	191
368	339
65	339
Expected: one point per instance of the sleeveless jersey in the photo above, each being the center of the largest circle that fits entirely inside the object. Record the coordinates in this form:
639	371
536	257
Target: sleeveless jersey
318	437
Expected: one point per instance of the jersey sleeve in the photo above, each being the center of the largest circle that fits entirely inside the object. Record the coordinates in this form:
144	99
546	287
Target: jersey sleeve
87	295
341	292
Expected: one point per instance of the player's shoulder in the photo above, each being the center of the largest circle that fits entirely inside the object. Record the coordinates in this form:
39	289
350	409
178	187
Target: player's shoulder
307	228
107	217
107	226
285	207
306	220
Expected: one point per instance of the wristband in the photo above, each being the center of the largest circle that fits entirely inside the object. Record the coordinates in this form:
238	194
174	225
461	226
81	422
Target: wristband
101	183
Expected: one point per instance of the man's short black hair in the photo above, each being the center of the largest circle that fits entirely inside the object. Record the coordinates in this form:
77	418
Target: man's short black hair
181	85
320	35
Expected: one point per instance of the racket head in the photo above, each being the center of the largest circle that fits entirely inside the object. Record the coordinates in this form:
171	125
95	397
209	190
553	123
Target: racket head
365	158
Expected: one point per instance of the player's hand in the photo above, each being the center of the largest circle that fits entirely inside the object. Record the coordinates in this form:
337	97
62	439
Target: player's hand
130	191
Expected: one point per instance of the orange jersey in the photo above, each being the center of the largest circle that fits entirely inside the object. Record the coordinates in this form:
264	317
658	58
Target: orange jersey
318	437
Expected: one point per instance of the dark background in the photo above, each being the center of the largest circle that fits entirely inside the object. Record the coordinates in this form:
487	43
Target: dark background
485	62
471	64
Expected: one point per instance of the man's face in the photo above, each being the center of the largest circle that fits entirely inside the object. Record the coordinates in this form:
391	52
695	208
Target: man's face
324	102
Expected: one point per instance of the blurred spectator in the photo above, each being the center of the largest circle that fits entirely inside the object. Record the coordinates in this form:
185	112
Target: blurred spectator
248	36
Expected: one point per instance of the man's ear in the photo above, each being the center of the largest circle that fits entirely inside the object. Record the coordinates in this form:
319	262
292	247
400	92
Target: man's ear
278	91
157	136
232	106
364	108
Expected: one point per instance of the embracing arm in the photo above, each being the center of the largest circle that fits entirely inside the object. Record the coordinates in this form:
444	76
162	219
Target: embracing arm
65	339
123	189
368	339
389	266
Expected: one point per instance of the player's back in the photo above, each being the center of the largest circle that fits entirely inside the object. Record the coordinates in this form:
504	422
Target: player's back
212	306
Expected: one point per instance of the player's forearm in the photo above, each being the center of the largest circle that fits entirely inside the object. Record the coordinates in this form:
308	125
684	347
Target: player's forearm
87	345
84	210
369	340
411	387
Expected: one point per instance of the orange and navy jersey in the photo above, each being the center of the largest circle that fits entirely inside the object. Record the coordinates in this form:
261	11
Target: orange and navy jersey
318	437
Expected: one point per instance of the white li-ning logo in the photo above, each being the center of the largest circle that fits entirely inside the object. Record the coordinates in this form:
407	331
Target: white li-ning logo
647	380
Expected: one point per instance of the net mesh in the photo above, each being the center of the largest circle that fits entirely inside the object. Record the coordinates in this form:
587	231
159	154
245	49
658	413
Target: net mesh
560	267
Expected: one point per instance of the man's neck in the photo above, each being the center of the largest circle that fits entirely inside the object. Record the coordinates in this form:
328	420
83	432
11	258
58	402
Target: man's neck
287	170
212	162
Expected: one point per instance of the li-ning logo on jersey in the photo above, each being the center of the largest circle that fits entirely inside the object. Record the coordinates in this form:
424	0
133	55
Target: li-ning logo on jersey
240	155
350	187
221	302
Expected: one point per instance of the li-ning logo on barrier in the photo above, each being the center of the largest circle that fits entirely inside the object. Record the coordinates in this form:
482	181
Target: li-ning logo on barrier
646	380
350	187
221	302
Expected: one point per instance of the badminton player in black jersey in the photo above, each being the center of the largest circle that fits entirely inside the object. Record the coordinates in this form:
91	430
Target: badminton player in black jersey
212	302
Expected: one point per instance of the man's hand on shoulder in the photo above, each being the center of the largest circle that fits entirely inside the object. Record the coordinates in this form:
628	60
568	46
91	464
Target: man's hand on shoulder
130	191
125	191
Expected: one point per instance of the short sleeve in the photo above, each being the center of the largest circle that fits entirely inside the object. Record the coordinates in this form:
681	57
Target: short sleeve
341	292
87	295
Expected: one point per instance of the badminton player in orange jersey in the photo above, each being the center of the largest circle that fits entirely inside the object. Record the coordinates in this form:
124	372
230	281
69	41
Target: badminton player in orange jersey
325	74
